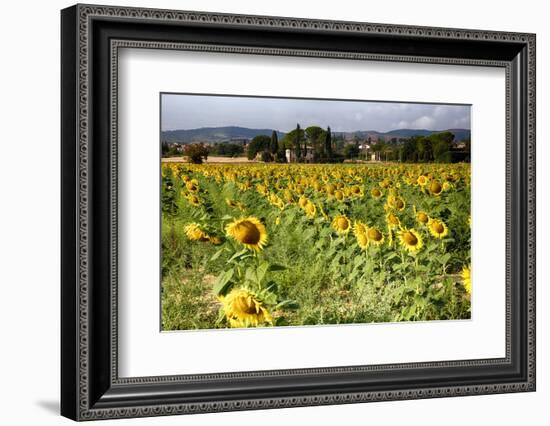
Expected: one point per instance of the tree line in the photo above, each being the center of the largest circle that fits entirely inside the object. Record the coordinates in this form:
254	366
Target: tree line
318	145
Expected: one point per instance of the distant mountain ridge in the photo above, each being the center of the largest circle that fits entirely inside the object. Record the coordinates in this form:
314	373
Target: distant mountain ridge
460	134
214	134
228	133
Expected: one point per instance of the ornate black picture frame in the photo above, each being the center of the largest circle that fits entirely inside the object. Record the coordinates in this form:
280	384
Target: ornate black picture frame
91	37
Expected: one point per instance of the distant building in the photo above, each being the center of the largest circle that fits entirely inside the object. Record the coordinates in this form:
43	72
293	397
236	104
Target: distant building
291	155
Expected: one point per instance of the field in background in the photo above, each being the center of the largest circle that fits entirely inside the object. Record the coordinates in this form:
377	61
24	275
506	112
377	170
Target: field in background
210	159
246	245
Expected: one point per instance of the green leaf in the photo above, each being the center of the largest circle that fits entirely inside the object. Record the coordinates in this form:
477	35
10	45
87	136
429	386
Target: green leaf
237	255
217	254
261	271
250	275
222	282
308	234
287	304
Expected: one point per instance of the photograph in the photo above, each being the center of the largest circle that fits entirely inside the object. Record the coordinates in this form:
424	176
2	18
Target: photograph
280	211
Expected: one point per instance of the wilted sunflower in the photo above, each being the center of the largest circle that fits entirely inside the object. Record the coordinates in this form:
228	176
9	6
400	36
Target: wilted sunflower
242	308
466	279
341	224
215	240
410	240
375	236
195	233
361	234
438	228
248	231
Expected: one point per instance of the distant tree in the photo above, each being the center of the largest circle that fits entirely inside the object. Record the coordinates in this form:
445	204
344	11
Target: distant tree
409	152
227	149
328	143
351	150
274	147
165	148
441	146
297	143
266	156
169	149
316	137
196	152
289	139
424	149
258	144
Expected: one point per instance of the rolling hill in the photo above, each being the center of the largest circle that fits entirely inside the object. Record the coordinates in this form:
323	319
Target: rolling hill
226	134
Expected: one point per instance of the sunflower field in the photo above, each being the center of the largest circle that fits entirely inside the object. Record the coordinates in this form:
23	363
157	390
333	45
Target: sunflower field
253	245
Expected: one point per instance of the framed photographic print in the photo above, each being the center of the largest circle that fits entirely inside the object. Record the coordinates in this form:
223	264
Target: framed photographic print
263	212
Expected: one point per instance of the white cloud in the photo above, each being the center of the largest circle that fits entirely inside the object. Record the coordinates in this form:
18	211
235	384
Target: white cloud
423	122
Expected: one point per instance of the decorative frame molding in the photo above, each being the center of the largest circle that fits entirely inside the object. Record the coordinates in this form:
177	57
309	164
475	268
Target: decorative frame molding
91	37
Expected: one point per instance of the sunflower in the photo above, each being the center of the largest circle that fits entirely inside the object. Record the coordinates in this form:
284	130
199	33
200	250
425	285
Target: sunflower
422	217
192	185
361	234
243	308
339	195
376	193
410	240
193	199
356	191
195	233
317	186
248	231
310	209
234	204
466	279
341	224
375	236
302	202
436	188
438	228
422	180
396	202
392	220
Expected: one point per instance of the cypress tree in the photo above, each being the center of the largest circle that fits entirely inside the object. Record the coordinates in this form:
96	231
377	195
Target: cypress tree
298	150
274	143
328	143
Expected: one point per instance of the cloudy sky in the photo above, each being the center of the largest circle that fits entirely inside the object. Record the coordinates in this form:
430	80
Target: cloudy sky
194	111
